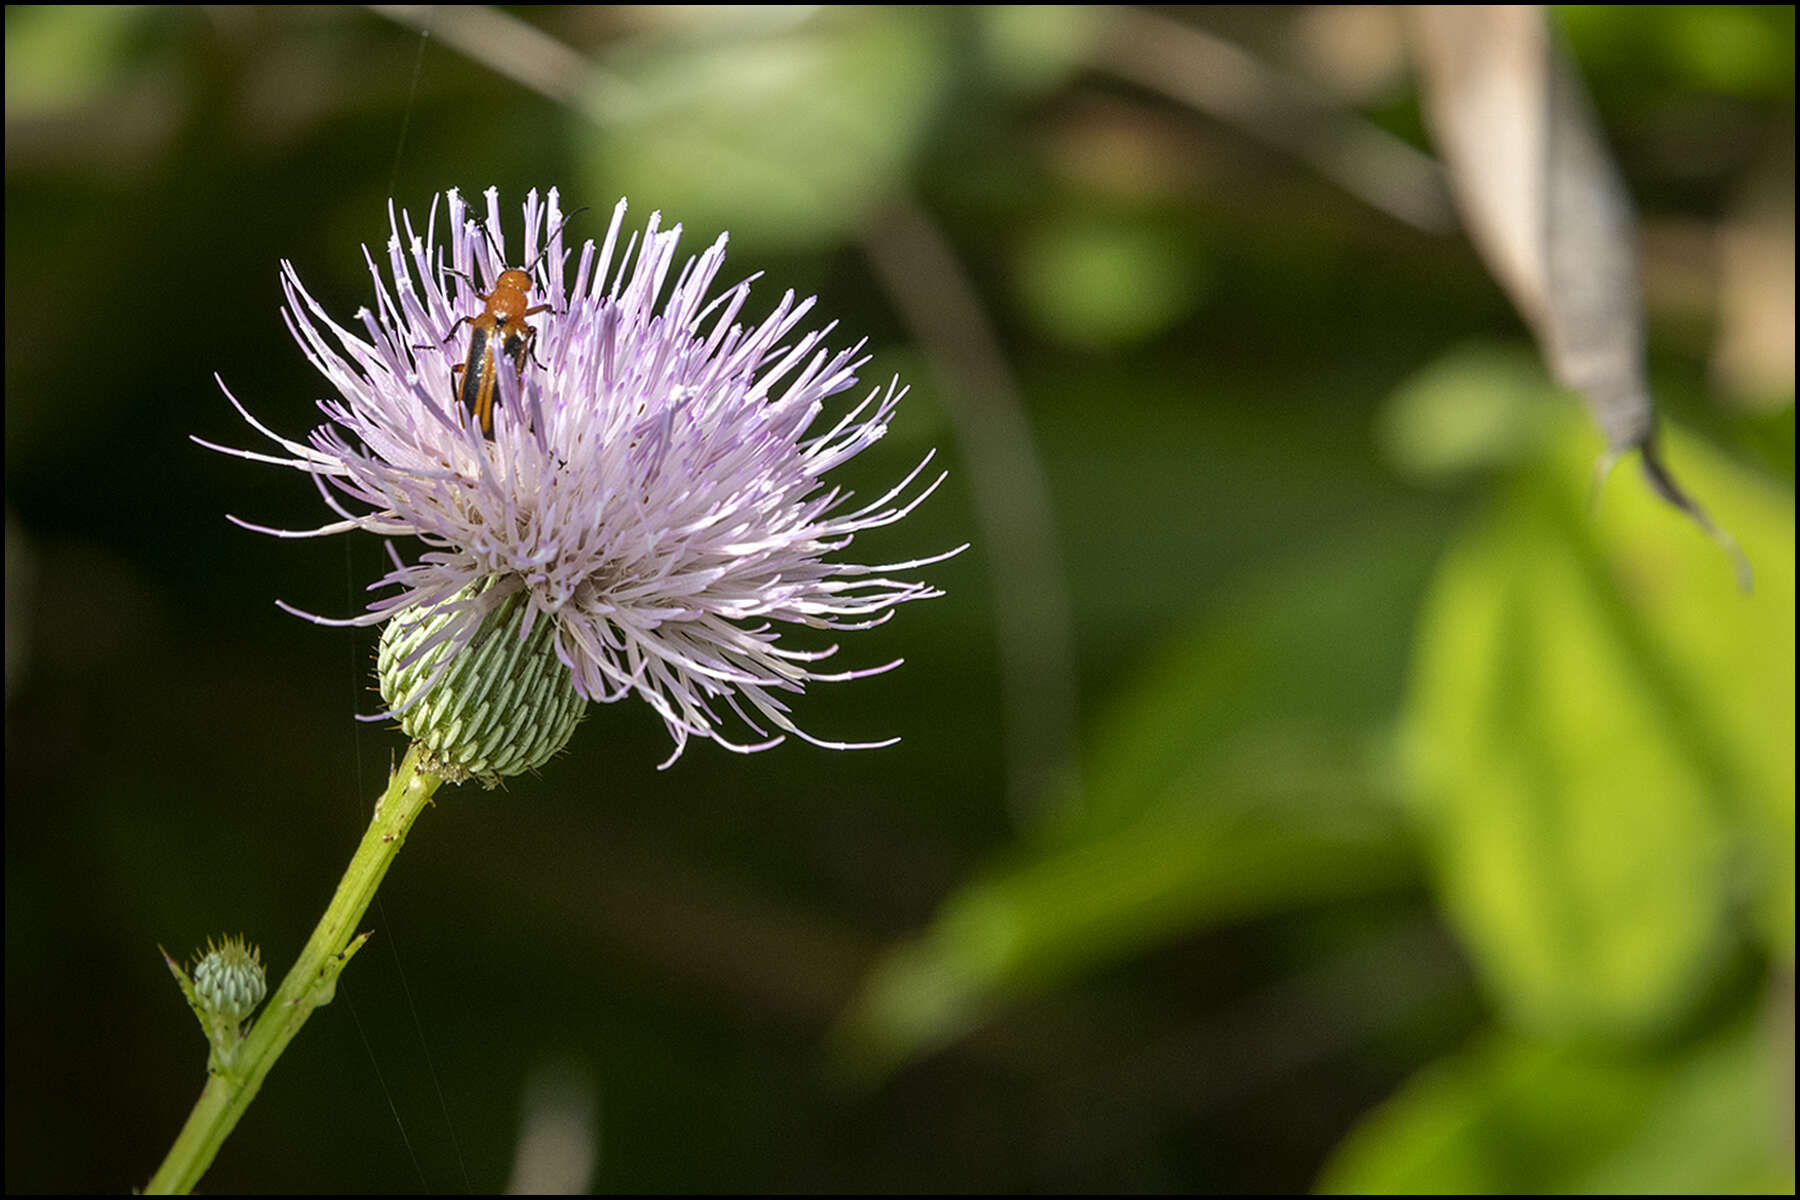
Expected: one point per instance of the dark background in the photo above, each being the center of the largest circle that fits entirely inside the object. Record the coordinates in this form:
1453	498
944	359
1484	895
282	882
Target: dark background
1138	903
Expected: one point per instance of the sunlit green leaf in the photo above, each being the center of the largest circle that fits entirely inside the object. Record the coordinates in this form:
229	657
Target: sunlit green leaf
1513	1115
1602	729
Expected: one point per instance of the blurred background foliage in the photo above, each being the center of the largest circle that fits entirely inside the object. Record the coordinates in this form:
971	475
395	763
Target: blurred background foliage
1310	780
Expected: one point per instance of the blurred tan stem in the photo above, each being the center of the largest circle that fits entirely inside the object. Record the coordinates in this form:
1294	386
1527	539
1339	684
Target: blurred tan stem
1214	76
918	269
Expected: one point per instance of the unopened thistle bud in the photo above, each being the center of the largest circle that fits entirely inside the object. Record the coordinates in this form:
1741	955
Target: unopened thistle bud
229	980
502	704
226	985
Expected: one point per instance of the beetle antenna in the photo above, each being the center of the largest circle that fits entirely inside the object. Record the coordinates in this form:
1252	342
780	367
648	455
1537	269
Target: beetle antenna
560	226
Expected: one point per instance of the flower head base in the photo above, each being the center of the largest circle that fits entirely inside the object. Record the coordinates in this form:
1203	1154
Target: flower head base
502	705
652	488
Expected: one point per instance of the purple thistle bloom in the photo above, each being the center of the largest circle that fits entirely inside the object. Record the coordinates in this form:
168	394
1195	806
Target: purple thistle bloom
653	483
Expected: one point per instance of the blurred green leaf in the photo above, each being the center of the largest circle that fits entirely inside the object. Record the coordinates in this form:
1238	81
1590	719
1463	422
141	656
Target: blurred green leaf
785	133
1514	1115
1096	283
1734	49
1036	47
1243	776
1478	405
1020	931
1294	678
61	56
1602	730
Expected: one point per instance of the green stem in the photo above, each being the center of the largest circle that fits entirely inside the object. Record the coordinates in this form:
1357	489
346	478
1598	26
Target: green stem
311	983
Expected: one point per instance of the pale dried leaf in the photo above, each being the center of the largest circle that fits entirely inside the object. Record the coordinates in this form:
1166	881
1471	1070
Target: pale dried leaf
1593	334
1548	211
1484	68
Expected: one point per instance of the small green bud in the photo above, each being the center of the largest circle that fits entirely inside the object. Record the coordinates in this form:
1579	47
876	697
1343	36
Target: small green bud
229	981
504	706
226	986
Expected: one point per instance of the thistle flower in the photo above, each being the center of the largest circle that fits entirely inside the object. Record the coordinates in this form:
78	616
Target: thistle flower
652	487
